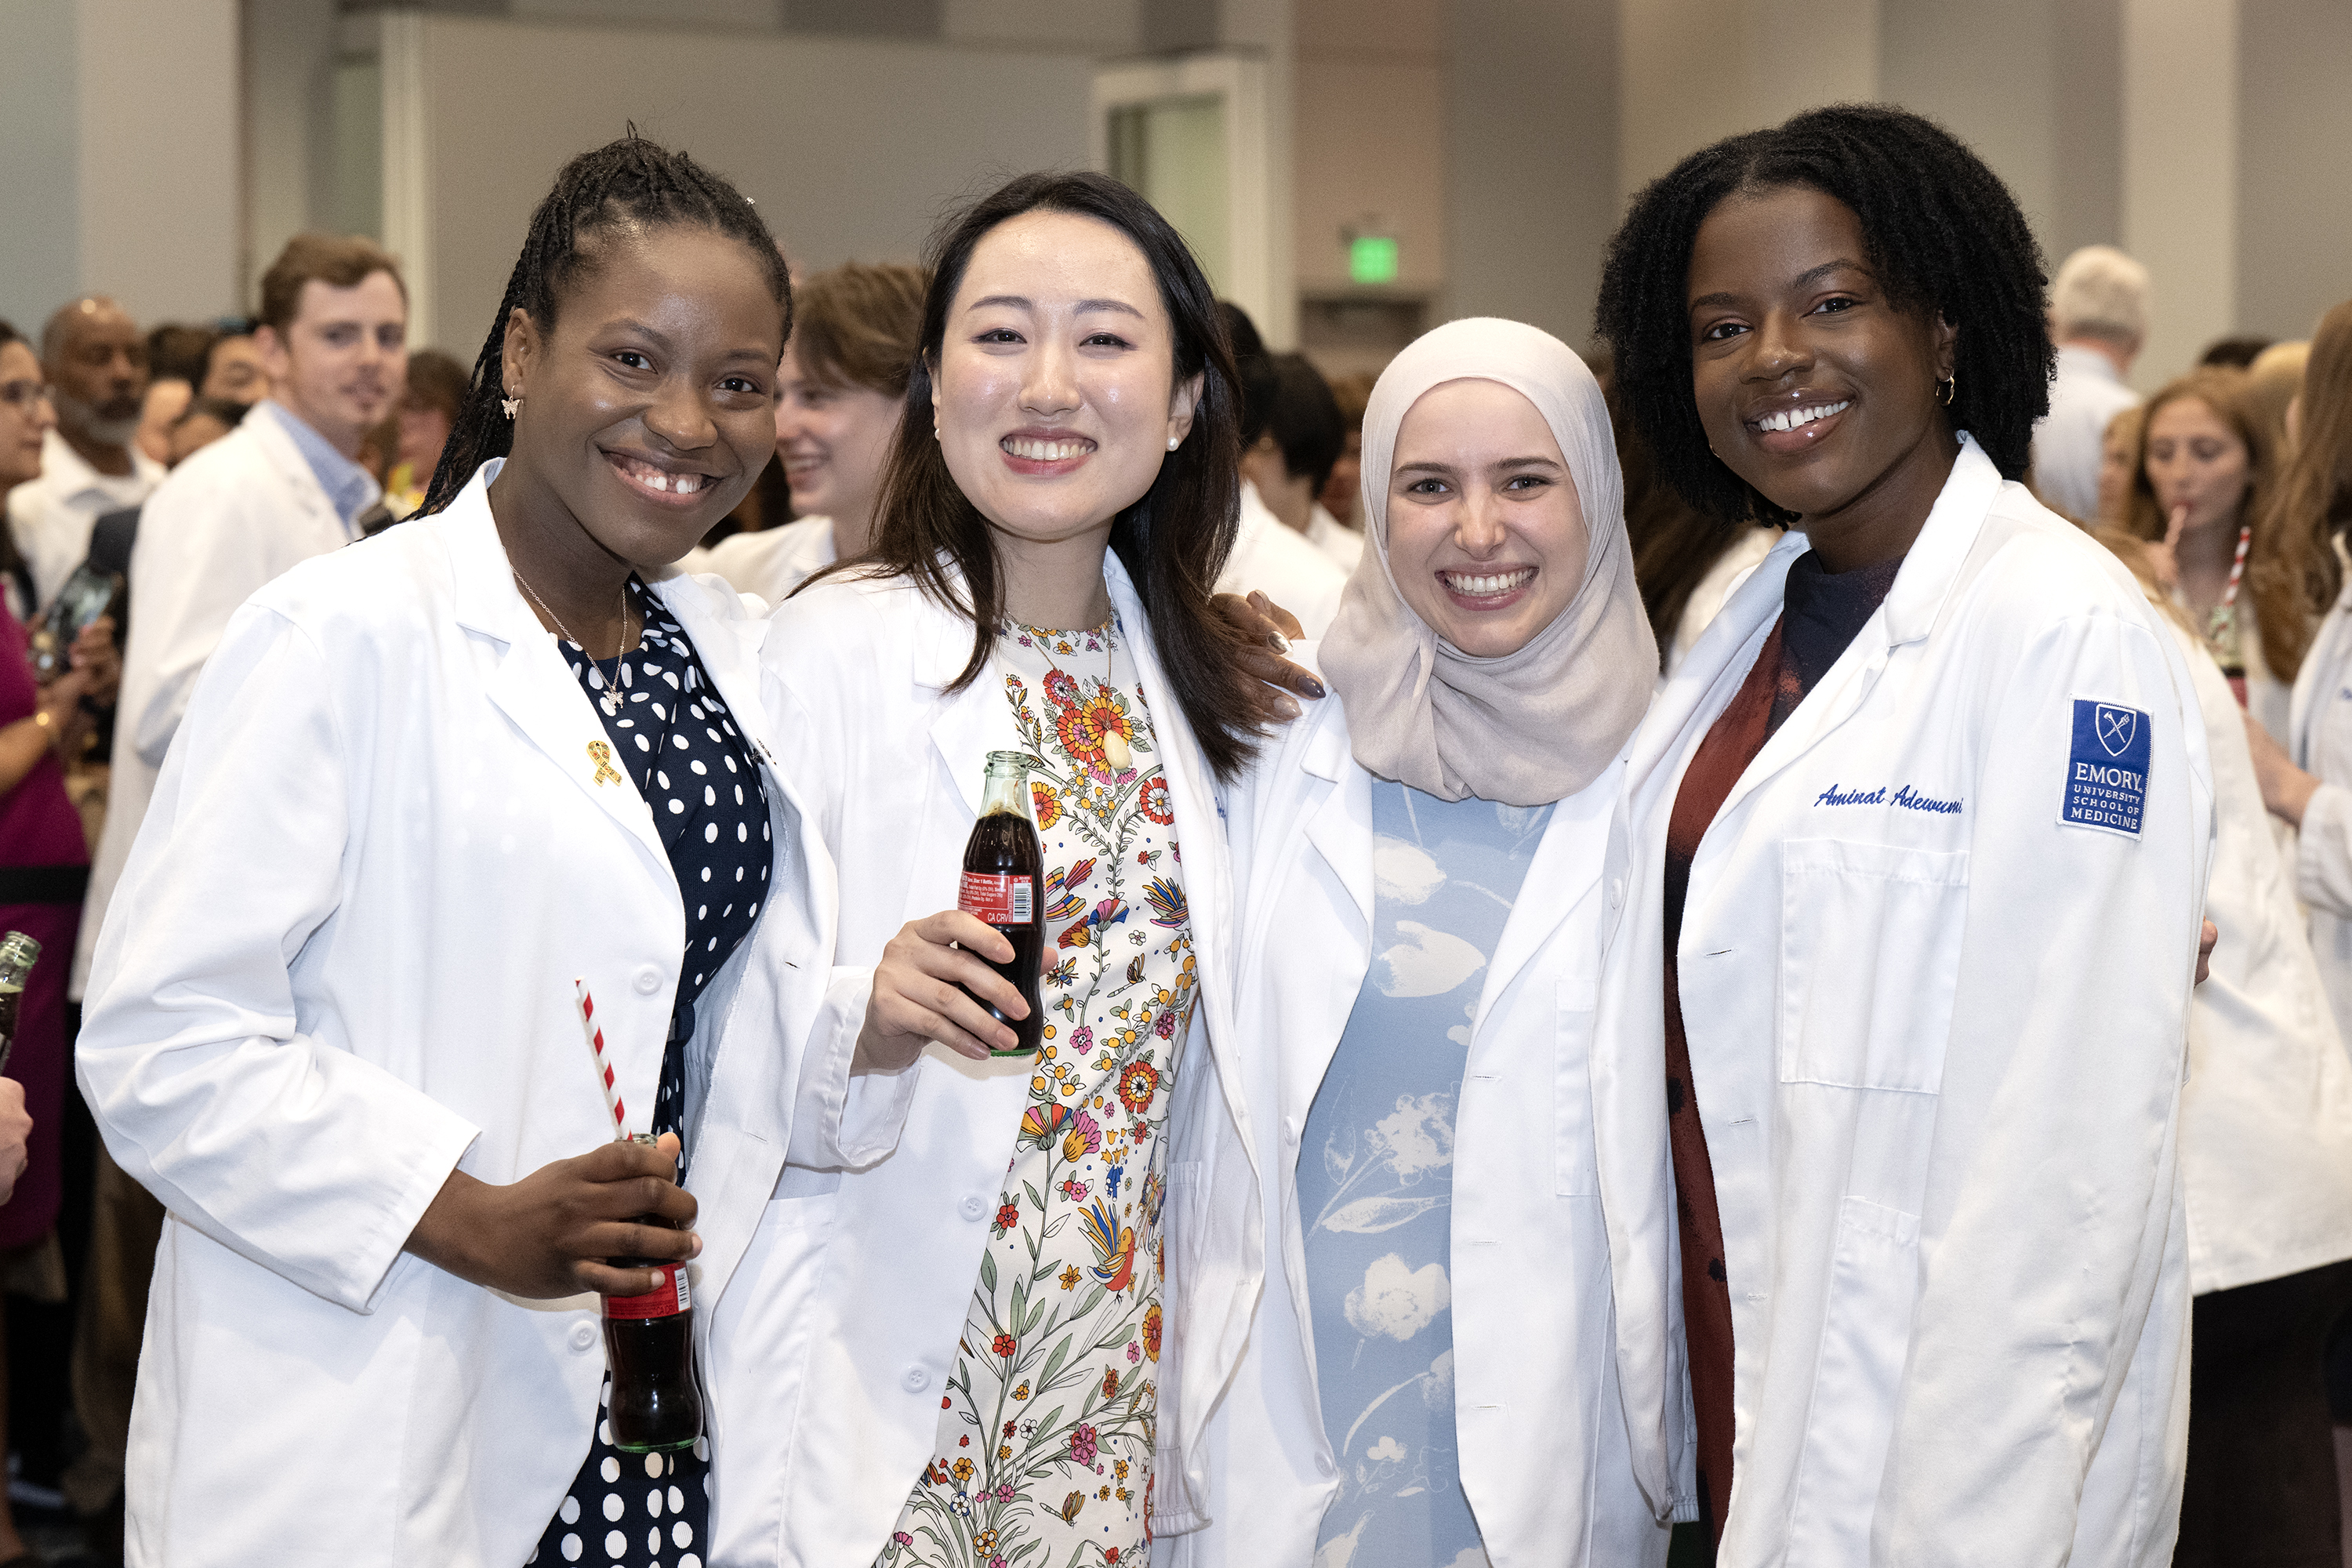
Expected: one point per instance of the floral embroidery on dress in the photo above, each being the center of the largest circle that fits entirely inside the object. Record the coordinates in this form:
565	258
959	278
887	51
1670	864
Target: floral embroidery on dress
1045	1450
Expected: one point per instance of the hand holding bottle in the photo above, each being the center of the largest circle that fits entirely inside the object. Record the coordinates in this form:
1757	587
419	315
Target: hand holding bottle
924	990
551	1234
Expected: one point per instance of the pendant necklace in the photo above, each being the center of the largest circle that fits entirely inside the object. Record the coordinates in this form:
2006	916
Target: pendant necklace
610	699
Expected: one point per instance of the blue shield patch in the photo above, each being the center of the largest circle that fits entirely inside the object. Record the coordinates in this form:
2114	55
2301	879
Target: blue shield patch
2106	768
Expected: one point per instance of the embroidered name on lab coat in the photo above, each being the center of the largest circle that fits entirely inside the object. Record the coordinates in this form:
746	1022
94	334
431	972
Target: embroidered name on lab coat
1905	796
2106	768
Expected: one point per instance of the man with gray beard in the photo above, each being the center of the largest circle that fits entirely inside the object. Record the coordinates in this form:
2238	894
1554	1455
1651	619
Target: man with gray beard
96	362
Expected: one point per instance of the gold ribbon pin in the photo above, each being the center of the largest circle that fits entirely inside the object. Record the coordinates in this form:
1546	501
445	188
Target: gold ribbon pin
601	755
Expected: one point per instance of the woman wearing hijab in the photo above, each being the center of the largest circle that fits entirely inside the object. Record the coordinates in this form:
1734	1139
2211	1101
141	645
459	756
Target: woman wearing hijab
1430	1377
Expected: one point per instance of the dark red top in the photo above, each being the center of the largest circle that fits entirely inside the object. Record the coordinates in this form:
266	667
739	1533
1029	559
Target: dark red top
1821	615
38	825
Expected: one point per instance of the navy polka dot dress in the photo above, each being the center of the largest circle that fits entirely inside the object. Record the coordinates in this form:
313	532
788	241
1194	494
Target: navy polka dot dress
673	735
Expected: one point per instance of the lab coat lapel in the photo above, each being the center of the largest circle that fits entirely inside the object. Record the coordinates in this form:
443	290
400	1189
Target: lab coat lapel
293	470
1552	885
2315	677
1339	826
1911	609
531	685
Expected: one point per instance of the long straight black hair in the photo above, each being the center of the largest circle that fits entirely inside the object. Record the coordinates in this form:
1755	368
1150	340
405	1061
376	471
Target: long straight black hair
630	181
1174	541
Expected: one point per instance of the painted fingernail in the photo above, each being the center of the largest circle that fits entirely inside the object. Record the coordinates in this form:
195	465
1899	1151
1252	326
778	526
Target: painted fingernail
1278	642
1284	706
1315	686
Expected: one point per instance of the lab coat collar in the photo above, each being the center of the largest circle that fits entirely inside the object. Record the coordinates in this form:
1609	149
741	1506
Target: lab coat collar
1339	828
1912	606
73	482
283	456
531	684
2319	673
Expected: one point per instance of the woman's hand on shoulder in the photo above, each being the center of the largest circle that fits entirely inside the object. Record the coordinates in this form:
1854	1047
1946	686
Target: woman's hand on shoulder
921	996
1263	631
551	1234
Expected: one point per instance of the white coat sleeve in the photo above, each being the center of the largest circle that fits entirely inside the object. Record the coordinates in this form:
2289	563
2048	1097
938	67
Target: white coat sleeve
295	1152
2051	1178
2323	855
199	555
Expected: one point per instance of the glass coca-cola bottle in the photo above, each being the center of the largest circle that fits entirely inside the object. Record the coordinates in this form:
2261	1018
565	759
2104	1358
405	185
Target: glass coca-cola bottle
1004	877
17	952
655	1404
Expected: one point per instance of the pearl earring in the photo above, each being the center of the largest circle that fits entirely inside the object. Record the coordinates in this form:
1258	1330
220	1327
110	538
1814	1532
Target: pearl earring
1174	442
511	404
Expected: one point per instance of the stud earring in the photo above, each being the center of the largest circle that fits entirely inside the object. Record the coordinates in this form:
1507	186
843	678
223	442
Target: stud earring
511	404
1174	442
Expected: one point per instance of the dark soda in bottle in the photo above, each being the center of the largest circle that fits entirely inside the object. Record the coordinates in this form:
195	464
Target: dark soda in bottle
17	954
1003	877
654	1403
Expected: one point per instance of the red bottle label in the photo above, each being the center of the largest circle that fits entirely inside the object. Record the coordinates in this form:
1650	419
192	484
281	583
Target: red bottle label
999	900
667	1299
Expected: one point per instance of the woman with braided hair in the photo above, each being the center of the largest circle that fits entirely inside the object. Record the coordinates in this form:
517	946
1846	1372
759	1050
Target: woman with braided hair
429	786
1913	853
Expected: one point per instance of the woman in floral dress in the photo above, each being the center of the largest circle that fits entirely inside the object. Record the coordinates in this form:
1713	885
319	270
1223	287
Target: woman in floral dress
972	1345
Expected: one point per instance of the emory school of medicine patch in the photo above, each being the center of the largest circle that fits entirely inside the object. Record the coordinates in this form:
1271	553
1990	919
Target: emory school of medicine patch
2106	768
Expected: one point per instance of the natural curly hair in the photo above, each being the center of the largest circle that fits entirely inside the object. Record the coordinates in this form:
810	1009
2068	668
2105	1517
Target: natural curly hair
1944	237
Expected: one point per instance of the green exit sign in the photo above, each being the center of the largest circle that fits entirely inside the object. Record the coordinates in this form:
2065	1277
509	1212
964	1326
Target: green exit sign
1372	259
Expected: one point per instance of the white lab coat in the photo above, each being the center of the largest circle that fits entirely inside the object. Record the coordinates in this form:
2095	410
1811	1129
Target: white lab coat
2266	1116
2319	737
1939	1055
1543	1446
1276	559
52	516
341	964
1327	533
225	523
771	563
863	1279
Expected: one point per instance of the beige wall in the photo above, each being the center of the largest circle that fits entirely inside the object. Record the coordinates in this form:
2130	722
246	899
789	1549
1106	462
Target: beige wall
1372	134
852	148
2293	240
2180	209
119	156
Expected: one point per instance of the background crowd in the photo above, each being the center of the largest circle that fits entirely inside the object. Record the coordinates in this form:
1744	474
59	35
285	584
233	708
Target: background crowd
157	474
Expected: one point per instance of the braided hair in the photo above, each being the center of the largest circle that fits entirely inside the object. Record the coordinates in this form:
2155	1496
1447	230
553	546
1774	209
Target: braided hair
630	181
1945	238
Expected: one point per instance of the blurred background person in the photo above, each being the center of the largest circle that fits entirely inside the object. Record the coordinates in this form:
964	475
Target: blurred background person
2271	382
26	416
44	866
412	438
2236	352
856	329
205	421
1294	456
1352	392
2119	462
234	367
2098	317
283	485
2204	474
96	363
1268	557
176	353
2265	1142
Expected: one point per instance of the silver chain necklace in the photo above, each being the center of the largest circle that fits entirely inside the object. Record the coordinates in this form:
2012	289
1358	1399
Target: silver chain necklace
612	698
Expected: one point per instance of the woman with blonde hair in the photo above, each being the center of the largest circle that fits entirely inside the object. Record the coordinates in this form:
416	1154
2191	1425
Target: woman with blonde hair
2201	484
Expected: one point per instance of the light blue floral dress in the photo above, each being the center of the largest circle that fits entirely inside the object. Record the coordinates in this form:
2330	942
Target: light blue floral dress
1376	1179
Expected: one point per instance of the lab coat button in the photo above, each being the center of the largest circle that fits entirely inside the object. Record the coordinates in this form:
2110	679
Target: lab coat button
1324	1466
648	981
1290	1129
917	1380
584	1336
973	1208
1616	891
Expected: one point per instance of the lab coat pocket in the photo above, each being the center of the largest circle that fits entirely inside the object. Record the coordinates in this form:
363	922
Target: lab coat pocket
1870	956
1866	1333
1575	1165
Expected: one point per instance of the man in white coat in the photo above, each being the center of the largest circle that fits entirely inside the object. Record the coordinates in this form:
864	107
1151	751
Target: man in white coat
97	362
283	487
2099	315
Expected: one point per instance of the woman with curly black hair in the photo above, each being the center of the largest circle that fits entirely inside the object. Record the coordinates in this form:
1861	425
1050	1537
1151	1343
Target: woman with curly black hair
1918	837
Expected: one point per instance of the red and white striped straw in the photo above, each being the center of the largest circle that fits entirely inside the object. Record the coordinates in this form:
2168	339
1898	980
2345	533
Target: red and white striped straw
604	1067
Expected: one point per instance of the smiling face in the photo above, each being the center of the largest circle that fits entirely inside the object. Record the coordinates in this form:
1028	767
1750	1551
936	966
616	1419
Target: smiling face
834	436
1812	384
342	359
649	408
1055	388
2197	458
24	415
1486	534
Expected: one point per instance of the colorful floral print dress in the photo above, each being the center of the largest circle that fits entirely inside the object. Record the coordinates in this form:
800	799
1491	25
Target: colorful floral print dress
1046	1432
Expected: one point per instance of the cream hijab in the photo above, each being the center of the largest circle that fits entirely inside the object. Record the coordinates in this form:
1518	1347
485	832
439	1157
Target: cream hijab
1530	727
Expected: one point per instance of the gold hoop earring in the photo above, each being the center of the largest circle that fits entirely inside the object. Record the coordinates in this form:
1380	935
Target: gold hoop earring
1947	389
